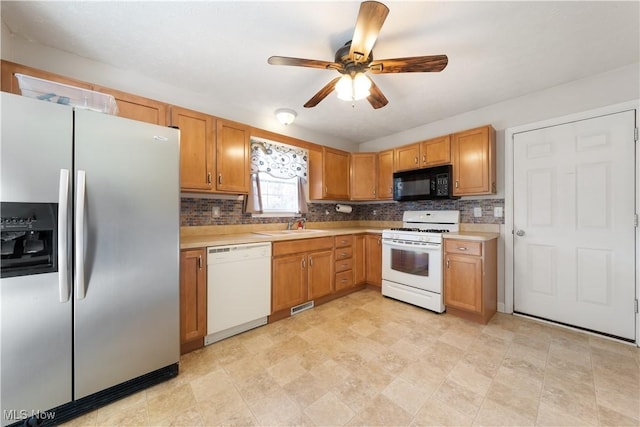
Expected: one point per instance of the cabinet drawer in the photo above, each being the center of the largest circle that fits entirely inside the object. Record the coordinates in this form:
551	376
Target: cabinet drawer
344	280
343	241
343	253
465	247
346	264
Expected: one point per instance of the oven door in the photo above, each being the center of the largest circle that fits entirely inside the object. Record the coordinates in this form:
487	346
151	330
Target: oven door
418	265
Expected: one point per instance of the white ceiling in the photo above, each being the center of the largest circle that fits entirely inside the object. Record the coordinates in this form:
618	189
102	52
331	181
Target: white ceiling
496	50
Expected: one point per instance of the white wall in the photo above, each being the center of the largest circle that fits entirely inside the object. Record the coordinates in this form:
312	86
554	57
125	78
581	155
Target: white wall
17	49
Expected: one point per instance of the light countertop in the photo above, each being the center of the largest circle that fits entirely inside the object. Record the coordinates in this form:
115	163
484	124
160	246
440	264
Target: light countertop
205	240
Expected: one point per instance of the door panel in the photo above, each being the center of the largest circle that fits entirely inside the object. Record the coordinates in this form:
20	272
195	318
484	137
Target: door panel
574	206
131	236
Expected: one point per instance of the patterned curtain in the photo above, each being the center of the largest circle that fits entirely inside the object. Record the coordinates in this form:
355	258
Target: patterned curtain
280	161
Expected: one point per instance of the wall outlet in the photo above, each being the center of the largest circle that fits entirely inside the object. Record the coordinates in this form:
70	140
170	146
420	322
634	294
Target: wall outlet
497	212
215	212
477	212
375	212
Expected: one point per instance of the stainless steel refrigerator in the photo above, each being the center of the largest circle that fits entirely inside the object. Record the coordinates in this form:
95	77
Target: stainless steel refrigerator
89	283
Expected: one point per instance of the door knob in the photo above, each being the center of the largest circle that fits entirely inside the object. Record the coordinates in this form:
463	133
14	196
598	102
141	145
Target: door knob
520	233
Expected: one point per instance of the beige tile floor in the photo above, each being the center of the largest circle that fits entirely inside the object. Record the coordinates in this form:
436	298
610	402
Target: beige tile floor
368	360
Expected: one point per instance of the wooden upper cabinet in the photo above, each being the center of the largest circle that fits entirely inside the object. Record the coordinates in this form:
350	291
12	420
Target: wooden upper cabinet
196	148
137	108
435	152
232	157
10	82
129	106
474	161
329	171
385	175
407	157
363	176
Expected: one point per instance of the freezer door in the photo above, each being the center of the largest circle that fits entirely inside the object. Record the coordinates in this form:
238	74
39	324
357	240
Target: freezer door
36	144
36	327
127	250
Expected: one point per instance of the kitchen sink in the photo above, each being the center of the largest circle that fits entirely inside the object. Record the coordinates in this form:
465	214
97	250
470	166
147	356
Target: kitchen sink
286	232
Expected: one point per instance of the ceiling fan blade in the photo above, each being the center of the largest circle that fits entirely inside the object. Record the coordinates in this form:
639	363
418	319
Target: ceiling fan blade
322	93
377	98
370	19
415	64
299	62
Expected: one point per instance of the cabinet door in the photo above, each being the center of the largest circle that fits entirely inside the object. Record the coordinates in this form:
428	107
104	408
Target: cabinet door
385	175
463	282
363	176
196	148
137	108
320	273
474	162
193	295
288	282
407	157
359	260
435	151
335	173
373	247
232	157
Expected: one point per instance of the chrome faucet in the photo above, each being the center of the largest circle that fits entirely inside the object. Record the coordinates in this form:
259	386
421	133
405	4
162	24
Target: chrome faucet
300	223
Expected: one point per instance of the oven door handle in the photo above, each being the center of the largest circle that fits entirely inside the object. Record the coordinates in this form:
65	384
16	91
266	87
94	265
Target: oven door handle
422	246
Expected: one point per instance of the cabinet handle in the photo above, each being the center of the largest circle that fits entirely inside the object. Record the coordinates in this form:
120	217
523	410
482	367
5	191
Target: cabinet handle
343	254
199	262
424	159
326	189
209	178
462	249
374	191
304	263
343	280
447	263
220	179
457	183
344	265
416	159
379	241
310	262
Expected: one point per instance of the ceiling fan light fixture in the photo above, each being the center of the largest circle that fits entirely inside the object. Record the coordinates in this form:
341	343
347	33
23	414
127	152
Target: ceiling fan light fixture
286	116
355	89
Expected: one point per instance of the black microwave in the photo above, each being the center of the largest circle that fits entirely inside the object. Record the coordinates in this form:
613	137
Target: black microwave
424	184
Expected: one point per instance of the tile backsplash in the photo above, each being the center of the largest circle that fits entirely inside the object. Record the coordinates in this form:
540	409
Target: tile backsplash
198	212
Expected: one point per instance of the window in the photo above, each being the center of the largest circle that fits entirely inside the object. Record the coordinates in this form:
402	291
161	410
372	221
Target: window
278	178
278	195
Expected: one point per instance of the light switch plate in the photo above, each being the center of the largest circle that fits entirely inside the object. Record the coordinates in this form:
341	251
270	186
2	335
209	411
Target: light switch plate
497	212
215	211
477	212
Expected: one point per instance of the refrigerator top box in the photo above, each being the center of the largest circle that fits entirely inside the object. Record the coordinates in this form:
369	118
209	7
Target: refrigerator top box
59	93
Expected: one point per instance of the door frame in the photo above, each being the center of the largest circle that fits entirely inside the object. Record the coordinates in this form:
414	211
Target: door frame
508	190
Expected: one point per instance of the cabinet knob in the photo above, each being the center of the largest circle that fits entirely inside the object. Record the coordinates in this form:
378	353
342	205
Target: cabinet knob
462	248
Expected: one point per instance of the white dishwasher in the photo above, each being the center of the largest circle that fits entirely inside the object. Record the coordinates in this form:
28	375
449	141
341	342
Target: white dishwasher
238	289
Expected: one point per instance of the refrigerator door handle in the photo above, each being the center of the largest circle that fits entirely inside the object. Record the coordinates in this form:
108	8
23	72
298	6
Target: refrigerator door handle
63	235
79	236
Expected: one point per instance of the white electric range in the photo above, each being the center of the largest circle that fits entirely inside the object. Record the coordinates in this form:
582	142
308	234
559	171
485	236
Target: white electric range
412	258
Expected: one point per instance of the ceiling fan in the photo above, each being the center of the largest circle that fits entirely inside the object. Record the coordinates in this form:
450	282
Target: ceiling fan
355	58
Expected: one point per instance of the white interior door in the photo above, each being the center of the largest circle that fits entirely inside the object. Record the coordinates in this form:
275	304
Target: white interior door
574	207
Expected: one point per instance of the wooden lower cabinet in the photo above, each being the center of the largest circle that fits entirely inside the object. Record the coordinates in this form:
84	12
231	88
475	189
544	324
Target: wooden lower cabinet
193	299
345	257
359	260
373	255
470	278
289	281
301	271
319	273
